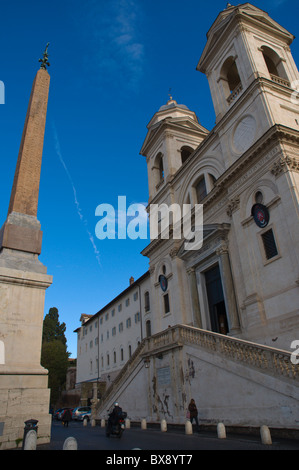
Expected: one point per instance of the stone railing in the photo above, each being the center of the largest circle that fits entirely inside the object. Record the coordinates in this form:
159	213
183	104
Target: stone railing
125	372
271	361
279	80
235	93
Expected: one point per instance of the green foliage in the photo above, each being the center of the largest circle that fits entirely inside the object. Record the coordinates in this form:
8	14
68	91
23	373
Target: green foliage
52	329
54	356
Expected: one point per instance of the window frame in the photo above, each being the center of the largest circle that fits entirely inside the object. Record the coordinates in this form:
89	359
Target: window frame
260	234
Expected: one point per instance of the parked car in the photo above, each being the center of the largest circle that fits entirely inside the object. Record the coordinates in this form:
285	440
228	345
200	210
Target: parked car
56	413
82	412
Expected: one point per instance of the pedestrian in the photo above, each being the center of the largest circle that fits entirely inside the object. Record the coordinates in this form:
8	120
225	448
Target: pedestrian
66	417
192	408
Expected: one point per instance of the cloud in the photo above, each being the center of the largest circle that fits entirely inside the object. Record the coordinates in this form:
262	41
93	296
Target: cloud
112	31
78	208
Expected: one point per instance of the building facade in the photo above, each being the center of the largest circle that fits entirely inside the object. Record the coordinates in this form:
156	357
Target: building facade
243	281
106	340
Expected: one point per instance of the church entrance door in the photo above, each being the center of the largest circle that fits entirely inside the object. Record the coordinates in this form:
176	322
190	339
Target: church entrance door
215	296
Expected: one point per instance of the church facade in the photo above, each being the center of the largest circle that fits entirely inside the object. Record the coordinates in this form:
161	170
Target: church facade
243	281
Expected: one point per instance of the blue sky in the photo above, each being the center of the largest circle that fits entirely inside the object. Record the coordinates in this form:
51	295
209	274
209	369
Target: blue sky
112	65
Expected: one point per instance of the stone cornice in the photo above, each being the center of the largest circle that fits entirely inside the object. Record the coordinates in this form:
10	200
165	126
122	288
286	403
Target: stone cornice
273	136
284	164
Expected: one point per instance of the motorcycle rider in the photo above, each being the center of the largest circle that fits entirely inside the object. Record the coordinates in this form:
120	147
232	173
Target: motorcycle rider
114	415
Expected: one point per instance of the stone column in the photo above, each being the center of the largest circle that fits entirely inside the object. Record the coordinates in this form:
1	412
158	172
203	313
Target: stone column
194	297
228	287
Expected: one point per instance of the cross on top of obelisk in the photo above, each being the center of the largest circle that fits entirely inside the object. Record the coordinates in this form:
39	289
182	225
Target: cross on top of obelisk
44	60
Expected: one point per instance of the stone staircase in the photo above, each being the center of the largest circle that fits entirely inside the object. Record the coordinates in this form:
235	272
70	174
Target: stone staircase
232	380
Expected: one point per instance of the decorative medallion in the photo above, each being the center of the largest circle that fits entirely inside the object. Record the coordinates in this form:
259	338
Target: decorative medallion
163	282
260	214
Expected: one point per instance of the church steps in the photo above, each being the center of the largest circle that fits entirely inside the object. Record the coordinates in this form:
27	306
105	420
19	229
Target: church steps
250	378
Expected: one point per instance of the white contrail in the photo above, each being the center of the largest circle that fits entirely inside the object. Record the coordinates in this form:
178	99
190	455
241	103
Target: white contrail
83	220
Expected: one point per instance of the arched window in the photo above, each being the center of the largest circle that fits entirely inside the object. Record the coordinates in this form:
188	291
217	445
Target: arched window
200	189
274	65
213	179
230	78
161	169
148	328
146	301
185	153
158	170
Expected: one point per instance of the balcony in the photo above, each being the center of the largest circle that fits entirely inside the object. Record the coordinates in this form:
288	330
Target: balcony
235	93
279	80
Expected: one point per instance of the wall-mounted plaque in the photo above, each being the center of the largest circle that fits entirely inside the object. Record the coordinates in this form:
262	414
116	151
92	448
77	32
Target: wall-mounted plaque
260	214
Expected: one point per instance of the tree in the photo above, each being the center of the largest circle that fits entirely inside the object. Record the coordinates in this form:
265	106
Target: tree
52	329
54	355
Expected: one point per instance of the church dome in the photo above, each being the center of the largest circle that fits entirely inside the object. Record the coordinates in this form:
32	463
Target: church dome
172	104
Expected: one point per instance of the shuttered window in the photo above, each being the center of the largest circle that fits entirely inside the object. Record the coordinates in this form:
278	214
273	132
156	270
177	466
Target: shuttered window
269	244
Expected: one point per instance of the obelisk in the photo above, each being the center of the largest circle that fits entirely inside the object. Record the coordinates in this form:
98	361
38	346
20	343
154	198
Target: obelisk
24	392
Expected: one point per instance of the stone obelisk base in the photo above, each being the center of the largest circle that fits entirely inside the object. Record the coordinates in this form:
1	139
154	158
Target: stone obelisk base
24	392
23	397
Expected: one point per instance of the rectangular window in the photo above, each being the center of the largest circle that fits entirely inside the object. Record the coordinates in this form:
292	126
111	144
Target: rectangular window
269	244
136	296
137	317
127	302
119	307
120	327
166	303
128	322
114	331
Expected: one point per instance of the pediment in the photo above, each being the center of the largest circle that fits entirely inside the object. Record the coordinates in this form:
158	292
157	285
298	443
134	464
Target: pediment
175	124
213	235
225	18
